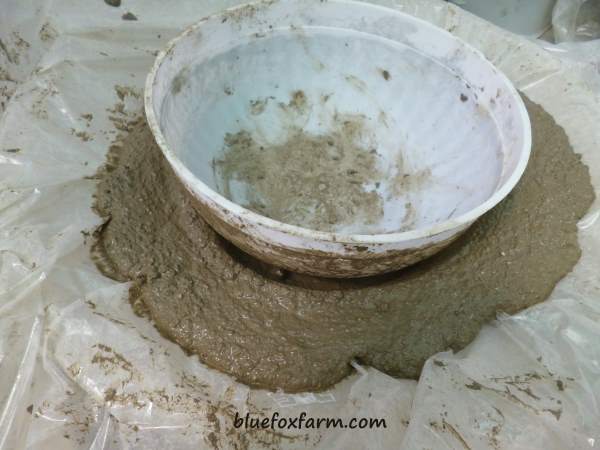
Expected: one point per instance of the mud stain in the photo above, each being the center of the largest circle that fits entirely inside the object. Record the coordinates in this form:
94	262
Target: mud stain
299	181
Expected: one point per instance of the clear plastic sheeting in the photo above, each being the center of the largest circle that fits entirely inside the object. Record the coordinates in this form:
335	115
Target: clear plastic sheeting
576	20
79	370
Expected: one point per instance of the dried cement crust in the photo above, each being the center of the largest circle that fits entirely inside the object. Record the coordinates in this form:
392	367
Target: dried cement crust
274	330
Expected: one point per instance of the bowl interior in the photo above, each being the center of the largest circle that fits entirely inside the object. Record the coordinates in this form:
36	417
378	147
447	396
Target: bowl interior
331	129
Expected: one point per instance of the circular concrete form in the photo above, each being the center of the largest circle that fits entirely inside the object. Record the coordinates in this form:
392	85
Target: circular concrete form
414	133
273	329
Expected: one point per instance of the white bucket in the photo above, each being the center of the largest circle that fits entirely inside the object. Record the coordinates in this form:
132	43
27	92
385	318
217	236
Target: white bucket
454	121
527	17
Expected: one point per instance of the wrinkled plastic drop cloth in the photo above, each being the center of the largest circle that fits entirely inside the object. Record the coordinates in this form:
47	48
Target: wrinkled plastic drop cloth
576	20
79	370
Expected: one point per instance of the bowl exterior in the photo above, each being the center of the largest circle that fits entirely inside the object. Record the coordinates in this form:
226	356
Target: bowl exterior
322	259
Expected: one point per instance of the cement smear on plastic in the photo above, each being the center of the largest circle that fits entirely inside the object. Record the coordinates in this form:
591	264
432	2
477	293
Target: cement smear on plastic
272	329
325	175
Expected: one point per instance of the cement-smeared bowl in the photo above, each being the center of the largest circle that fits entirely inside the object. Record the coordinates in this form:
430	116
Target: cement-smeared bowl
445	125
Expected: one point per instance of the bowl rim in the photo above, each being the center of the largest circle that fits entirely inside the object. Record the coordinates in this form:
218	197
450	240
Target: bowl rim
199	188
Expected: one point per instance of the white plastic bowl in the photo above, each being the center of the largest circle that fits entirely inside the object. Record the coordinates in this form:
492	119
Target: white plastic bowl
429	100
